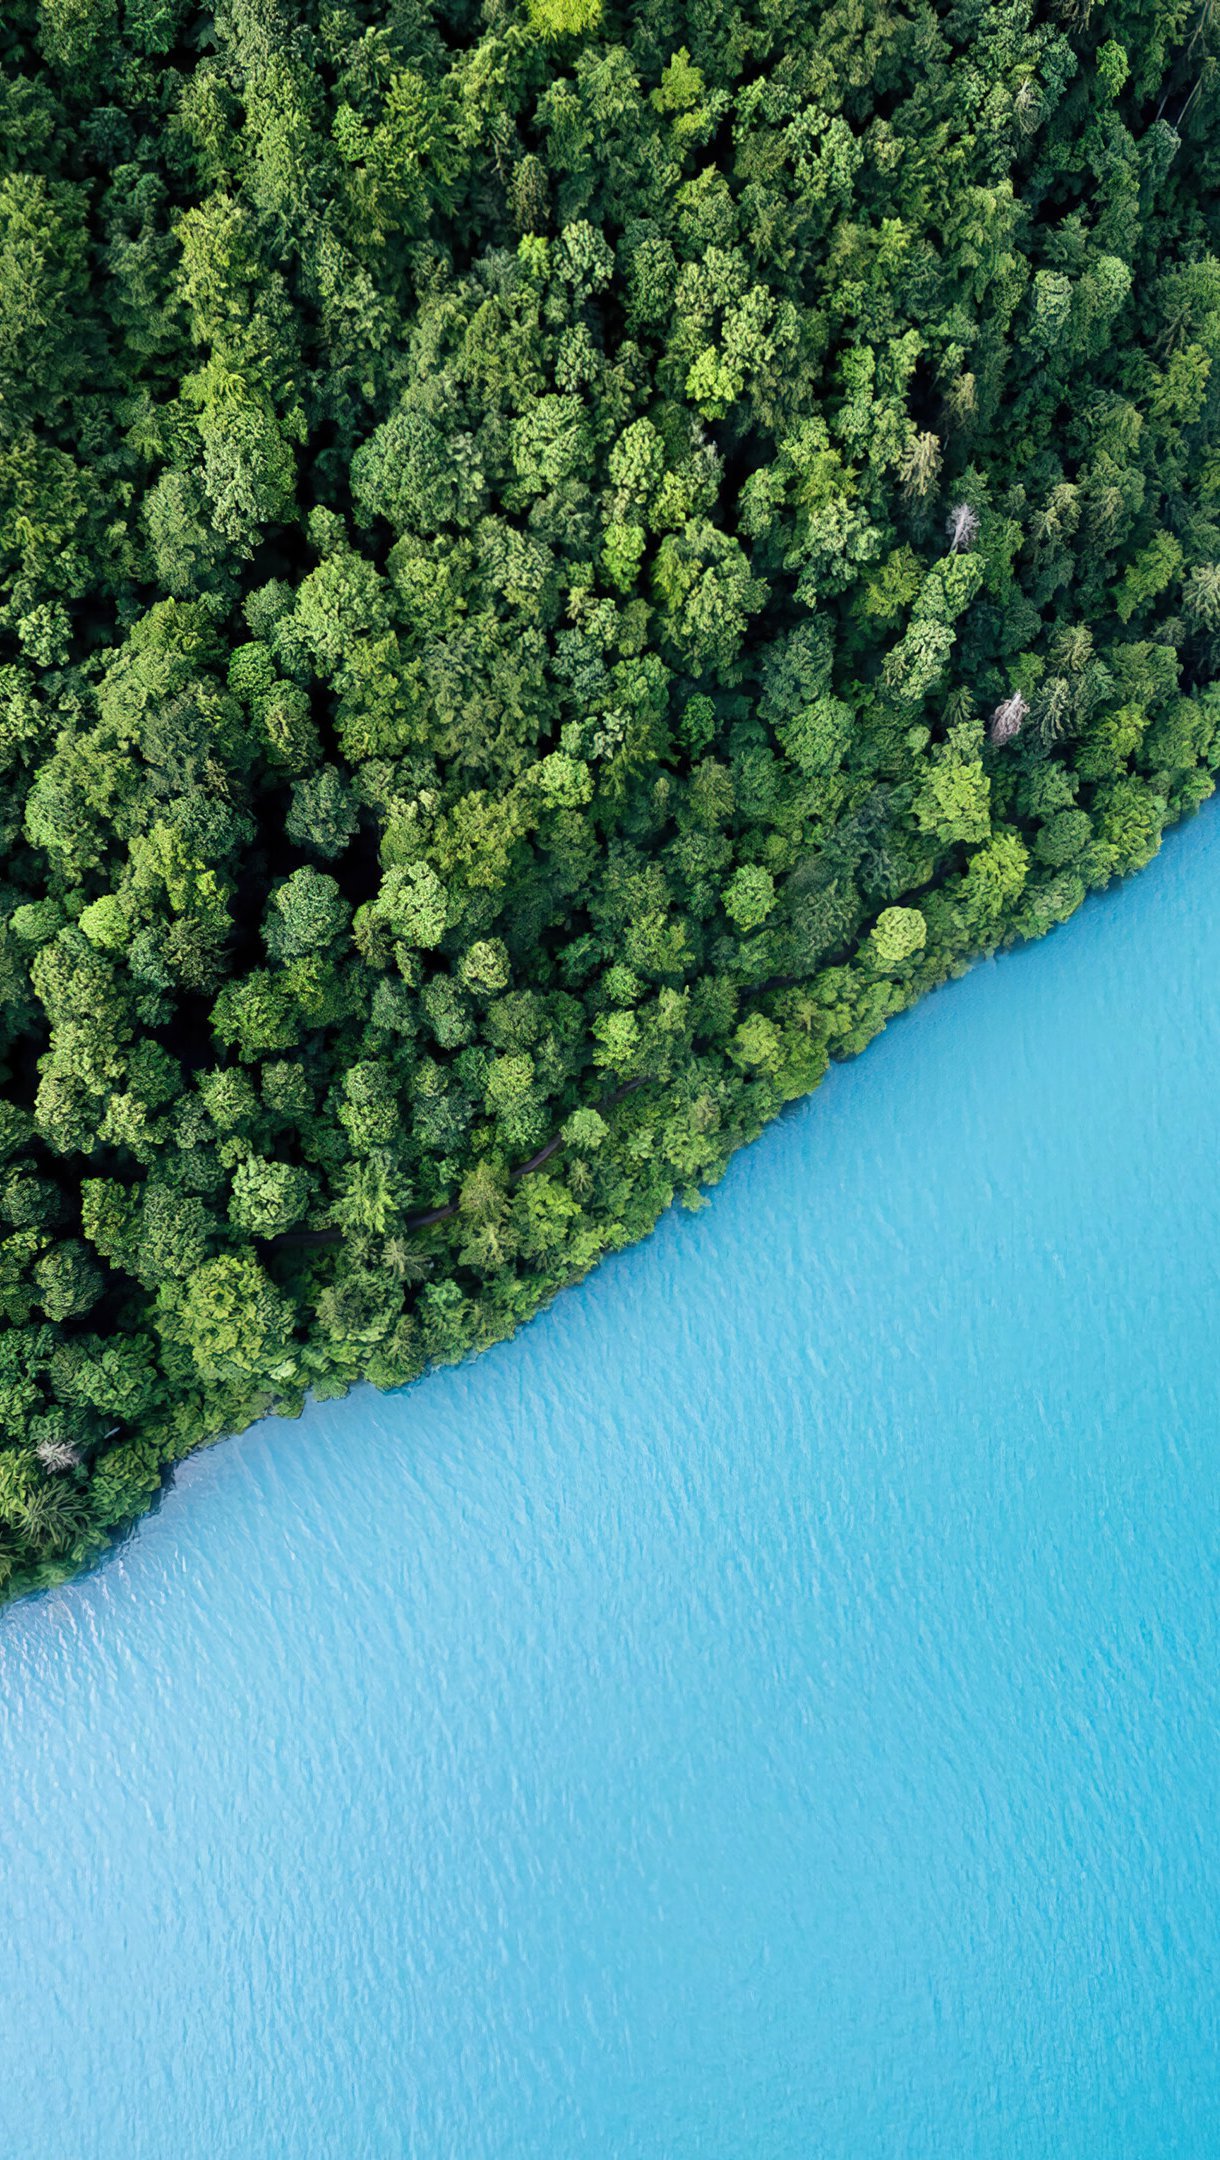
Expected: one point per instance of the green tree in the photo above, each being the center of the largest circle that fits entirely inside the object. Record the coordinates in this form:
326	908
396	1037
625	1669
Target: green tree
235	1323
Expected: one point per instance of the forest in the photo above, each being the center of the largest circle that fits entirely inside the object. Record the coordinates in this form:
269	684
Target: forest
560	564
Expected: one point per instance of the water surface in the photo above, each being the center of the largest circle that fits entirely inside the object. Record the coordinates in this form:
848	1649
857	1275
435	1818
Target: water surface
769	1710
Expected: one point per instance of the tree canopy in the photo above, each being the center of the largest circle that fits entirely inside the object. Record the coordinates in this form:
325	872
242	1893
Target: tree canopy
559	565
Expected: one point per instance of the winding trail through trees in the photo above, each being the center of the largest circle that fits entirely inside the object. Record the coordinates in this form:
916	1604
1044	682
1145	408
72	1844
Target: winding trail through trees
426	1217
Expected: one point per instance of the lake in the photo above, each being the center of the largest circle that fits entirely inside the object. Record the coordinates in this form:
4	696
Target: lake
771	1708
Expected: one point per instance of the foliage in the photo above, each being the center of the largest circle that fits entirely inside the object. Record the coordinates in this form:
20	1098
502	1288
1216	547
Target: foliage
558	567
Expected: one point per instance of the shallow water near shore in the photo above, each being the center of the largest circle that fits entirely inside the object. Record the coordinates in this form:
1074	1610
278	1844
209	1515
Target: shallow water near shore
768	1709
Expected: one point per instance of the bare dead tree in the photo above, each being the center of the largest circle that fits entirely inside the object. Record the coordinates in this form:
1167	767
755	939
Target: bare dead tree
962	526
1007	720
57	1455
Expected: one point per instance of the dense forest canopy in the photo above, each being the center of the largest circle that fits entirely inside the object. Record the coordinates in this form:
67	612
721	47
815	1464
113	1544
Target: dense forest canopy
559	564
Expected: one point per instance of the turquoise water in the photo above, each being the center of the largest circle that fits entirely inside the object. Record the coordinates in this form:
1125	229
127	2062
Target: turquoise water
769	1709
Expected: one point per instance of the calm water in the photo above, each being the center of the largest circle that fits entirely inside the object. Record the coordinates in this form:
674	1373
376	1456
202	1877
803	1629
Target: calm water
768	1710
